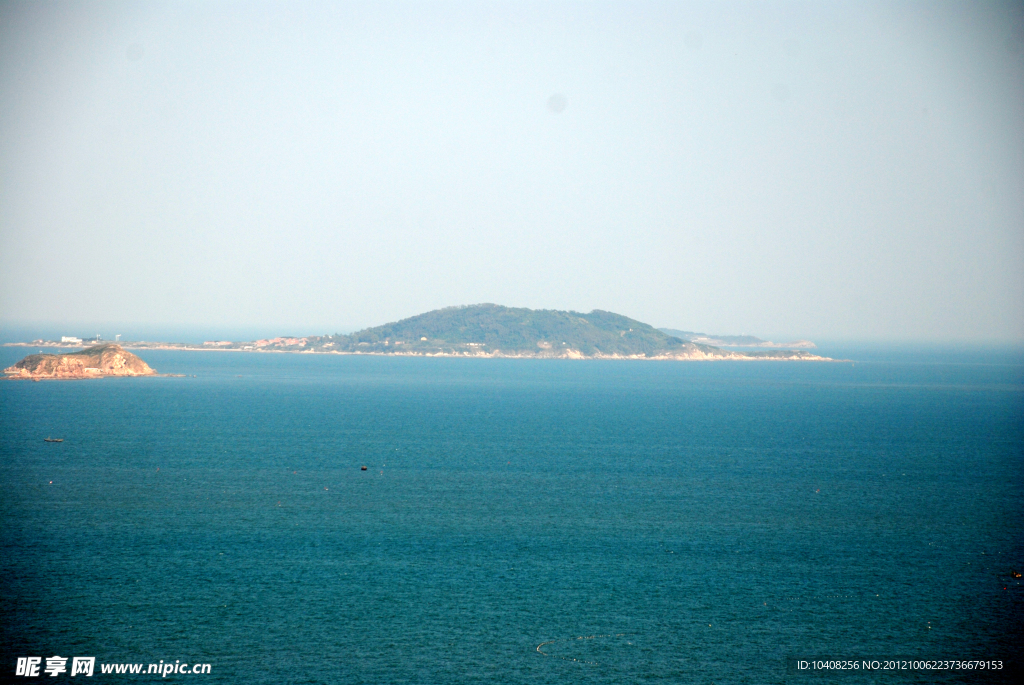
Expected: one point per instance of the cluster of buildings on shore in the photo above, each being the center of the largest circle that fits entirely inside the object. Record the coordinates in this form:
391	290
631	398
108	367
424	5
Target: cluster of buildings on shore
282	342
92	341
273	343
74	340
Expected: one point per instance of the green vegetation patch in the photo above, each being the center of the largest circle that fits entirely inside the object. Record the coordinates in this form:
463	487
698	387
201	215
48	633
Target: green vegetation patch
490	328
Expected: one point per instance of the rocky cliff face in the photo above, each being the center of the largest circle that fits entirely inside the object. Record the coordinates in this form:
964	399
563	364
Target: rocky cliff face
93	362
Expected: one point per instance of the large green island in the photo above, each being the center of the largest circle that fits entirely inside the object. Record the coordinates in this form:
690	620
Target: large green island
490	330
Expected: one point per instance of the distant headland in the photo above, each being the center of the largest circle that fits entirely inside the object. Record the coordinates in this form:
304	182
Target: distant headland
92	362
490	330
737	340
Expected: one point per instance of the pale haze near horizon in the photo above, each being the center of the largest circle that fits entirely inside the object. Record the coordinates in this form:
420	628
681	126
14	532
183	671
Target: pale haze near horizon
840	171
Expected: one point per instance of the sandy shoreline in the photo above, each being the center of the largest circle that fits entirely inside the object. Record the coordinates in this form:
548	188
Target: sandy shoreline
569	354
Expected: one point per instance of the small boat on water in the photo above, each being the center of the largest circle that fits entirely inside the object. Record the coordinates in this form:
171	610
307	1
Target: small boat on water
53	439
362	468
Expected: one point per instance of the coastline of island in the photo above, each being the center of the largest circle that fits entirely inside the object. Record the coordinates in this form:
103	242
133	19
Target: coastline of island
489	331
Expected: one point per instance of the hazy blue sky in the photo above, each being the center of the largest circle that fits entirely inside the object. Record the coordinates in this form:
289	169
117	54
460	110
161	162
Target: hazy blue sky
825	169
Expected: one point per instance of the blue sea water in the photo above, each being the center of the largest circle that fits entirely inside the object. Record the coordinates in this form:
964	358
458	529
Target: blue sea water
519	521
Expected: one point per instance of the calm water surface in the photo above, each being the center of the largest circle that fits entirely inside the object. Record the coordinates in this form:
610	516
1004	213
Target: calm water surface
695	522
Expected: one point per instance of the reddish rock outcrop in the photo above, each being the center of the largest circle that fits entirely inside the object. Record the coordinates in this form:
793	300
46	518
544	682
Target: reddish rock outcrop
92	362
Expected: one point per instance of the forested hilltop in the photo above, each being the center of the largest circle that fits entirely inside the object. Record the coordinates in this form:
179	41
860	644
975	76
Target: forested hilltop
493	330
490	328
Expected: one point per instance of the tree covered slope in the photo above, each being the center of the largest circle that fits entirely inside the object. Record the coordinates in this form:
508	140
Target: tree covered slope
487	329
